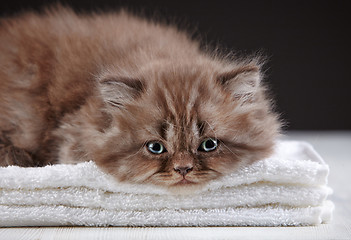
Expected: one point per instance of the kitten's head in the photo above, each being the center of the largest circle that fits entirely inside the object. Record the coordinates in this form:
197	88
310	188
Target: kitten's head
186	124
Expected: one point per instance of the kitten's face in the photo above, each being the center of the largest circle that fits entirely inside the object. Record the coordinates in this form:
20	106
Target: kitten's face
185	127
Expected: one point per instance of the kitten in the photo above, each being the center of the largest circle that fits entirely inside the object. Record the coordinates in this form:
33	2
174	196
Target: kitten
137	97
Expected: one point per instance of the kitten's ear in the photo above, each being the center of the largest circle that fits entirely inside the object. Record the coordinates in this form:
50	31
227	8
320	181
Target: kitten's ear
116	92
242	82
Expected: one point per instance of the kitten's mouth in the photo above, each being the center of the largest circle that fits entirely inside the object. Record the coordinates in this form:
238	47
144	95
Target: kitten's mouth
184	182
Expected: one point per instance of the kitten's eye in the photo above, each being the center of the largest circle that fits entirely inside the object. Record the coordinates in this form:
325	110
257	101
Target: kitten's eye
208	145
155	147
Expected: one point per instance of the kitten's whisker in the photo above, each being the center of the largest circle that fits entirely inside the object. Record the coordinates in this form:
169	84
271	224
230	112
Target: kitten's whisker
212	129
201	174
140	149
229	149
164	175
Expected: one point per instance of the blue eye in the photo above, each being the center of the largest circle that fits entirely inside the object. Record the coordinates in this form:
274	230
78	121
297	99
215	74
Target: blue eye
208	145
155	147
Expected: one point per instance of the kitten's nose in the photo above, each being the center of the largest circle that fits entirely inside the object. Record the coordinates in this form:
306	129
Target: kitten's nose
183	170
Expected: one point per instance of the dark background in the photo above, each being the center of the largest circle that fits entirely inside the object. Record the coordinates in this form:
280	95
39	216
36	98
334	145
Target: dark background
307	44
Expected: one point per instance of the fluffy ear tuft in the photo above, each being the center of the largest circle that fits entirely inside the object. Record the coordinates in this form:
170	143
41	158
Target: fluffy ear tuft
116	92
242	82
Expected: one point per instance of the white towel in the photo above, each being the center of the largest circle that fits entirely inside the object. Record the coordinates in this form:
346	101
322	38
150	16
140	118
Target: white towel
289	188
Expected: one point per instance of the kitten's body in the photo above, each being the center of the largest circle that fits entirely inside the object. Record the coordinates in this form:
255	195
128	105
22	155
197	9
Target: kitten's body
99	87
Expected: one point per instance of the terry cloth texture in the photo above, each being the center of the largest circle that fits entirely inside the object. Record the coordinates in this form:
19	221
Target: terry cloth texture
287	189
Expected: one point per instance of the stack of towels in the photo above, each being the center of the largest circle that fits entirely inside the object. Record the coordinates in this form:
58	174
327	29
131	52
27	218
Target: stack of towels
287	189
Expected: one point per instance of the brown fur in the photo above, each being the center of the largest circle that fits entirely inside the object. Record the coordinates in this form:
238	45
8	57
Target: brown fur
99	87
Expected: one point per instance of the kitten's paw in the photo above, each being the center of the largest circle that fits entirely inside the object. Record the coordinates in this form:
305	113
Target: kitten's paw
12	155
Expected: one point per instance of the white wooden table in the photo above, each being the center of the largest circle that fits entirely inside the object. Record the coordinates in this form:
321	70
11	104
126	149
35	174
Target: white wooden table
334	147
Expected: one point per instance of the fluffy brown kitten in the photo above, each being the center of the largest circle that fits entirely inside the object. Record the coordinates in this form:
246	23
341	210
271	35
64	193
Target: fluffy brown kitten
137	97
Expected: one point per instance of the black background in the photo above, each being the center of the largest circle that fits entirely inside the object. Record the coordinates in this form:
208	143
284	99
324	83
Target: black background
307	44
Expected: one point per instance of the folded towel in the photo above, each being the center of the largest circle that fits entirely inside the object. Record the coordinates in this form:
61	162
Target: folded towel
289	188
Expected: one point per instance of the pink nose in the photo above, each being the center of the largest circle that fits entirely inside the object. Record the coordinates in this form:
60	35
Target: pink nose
183	170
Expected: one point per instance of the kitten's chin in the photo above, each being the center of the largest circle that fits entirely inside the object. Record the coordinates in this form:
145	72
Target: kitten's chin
177	184
186	186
